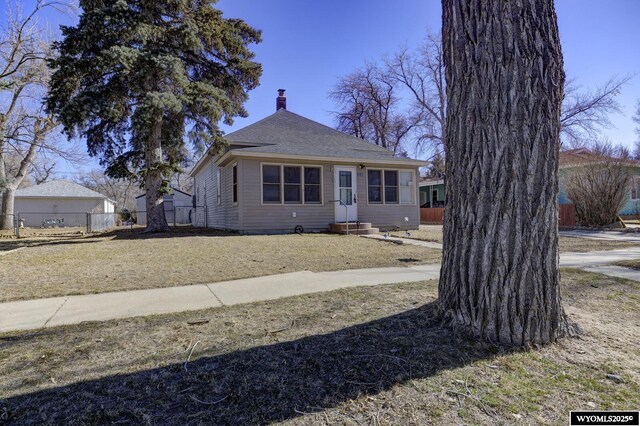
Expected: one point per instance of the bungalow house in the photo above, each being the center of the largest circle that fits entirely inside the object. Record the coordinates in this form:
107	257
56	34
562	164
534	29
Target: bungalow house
287	171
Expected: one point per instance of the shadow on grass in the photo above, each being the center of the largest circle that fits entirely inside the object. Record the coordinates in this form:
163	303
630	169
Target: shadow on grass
262	384
17	243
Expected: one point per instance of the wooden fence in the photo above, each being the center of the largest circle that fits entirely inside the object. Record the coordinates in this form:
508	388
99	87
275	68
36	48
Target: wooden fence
567	215
432	216
435	216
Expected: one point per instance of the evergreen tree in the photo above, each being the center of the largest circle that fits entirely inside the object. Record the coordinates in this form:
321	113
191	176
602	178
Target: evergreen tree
135	77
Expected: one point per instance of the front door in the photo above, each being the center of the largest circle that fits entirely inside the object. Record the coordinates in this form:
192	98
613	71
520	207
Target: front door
345	192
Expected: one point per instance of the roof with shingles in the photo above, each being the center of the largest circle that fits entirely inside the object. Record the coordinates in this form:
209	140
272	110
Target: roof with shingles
59	189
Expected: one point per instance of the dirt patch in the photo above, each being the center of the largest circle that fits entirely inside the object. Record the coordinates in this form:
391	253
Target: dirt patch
132	260
369	355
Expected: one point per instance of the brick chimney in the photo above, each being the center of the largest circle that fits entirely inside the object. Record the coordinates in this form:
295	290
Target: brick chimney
281	100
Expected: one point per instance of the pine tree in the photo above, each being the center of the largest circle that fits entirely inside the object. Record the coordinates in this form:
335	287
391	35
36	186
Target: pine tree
138	77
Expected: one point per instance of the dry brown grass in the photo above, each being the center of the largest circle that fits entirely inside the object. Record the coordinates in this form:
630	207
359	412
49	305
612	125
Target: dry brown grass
567	244
371	355
130	260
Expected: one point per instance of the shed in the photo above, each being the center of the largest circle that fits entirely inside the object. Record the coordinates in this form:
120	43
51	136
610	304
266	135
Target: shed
177	206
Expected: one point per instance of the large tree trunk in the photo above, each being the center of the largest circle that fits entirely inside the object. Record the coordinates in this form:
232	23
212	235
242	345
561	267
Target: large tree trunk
504	77
156	220
6	214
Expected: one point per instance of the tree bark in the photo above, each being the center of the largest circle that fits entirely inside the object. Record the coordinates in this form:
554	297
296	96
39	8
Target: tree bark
156	220
504	76
6	215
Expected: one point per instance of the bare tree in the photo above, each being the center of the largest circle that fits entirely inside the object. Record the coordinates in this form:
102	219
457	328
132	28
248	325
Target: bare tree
585	113
421	73
500	279
599	183
122	191
26	131
370	109
636	119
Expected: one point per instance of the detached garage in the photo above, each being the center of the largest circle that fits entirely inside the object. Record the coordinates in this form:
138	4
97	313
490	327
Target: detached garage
60	203
177	207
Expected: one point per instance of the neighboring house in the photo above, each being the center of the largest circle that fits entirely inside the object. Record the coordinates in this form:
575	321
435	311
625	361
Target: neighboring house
431	192
177	205
576	158
59	202
286	171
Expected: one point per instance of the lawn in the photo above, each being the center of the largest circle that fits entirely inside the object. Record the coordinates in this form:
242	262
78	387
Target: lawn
127	260
567	244
368	355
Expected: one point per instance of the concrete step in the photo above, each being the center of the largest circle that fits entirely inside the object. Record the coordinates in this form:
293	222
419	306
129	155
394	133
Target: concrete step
363	229
340	227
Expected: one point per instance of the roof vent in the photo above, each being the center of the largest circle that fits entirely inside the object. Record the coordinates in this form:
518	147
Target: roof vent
281	100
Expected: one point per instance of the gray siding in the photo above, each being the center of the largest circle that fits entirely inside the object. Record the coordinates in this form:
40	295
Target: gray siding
258	217
387	216
224	215
251	216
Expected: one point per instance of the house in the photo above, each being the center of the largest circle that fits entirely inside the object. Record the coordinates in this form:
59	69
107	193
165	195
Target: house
177	207
431	192
287	171
432	189
60	203
572	160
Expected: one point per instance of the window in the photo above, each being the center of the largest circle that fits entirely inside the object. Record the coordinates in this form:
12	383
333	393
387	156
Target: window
406	187
635	194
292	185
375	186
391	187
234	180
312	185
270	184
218	188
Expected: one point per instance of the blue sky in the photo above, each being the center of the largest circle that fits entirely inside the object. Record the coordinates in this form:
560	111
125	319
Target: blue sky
307	45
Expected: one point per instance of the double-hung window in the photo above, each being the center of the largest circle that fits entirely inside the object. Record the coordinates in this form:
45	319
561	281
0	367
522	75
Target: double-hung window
390	187
375	186
234	181
292	184
406	188
312	185
271	184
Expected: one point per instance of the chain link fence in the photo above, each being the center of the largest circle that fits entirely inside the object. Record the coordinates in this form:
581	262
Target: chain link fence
176	216
33	224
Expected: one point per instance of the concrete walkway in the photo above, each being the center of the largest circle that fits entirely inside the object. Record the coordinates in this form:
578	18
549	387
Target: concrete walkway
43	313
410	241
622	236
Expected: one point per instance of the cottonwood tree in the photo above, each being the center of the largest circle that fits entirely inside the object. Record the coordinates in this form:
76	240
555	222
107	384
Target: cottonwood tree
585	113
134	76
122	191
26	130
599	184
370	109
504	76
421	73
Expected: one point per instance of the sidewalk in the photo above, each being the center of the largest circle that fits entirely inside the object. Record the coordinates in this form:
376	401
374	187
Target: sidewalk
43	313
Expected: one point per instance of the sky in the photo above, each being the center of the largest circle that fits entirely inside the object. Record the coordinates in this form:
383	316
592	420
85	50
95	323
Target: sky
307	45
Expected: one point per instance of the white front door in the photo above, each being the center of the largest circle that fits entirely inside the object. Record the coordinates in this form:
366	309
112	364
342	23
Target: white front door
345	191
